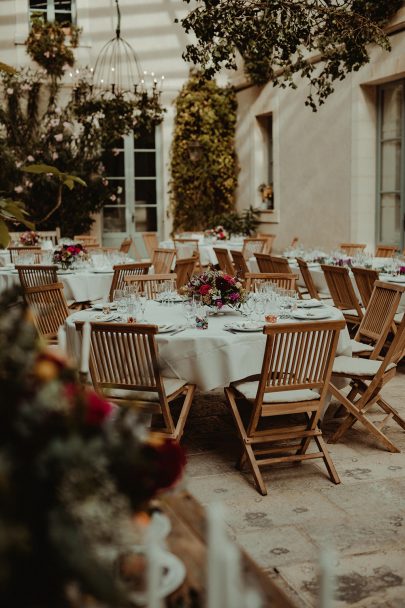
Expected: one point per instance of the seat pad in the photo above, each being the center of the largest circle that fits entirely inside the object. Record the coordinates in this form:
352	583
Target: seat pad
354	366
171	385
249	391
360	347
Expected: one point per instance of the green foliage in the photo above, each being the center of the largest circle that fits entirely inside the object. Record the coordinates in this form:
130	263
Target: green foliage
278	38
235	223
11	211
204	189
46	45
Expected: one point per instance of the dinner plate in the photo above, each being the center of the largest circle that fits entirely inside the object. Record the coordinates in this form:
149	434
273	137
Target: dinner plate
102	270
245	326
65	271
399	279
309	303
100	305
308	315
177	300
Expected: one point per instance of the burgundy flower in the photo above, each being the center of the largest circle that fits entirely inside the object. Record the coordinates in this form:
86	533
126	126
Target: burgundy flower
204	289
98	409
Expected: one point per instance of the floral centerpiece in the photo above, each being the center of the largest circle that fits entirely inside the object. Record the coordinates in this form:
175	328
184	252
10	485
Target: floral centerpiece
76	472
218	233
65	255
29	238
216	289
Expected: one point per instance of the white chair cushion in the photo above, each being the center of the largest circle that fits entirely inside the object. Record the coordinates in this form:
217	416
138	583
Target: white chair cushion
360	347
352	311
249	391
398	317
171	385
354	366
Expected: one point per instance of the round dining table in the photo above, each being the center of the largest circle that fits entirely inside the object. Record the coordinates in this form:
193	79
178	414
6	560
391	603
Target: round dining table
206	249
209	358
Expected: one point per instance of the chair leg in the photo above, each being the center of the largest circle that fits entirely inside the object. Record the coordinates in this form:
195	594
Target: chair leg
390	410
184	411
327	459
247	448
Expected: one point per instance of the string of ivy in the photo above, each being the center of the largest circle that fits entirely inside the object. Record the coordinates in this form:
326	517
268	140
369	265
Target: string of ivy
201	190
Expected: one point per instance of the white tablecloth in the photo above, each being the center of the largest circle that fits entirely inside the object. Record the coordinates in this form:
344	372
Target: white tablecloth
78	286
206	250
209	358
4	257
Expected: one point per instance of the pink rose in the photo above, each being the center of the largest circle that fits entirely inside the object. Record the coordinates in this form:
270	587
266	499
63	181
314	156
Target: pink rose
98	409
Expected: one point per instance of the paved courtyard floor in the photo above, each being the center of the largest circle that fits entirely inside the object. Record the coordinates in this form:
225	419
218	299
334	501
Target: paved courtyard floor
363	518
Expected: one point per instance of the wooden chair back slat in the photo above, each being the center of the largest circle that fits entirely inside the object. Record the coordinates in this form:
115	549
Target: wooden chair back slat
239	262
379	315
252	245
52	235
49	308
352	248
125	270
283	280
385	251
126	245
151	242
15	252
280	264
162	260
365	279
224	260
150	284
307	278
186	248
32	276
269	241
184	270
86	240
264	262
341	288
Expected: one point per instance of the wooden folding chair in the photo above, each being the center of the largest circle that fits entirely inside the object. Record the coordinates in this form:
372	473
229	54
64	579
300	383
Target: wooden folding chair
32	276
49	308
186	248
367	377
253	245
224	260
352	248
309	281
280	264
124	367
264	262
269	241
342	293
151	242
284	280
239	263
365	279
162	260
150	284
184	270
385	251
16	252
52	235
378	320
294	379
125	270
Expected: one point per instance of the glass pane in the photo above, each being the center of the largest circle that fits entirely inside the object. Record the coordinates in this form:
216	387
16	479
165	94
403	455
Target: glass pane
63	5
390	166
390	220
114	163
38	5
145	192
145	140
145	219
114	219
145	164
116	188
63	17
392	111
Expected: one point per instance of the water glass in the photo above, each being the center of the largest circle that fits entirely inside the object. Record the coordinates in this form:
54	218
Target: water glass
201	317
189	312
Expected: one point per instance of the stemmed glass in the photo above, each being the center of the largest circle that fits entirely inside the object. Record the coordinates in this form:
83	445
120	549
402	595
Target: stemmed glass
189	312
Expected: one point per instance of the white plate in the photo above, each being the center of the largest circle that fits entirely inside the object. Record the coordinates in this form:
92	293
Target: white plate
65	271
103	270
311	315
163	329
400	279
245	326
309	303
100	305
174	573
174	301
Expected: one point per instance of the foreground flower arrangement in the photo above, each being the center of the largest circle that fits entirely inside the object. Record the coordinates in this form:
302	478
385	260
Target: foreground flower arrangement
65	255
216	289
29	238
73	470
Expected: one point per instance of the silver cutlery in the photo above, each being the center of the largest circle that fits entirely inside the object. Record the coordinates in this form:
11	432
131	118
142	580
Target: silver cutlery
177	331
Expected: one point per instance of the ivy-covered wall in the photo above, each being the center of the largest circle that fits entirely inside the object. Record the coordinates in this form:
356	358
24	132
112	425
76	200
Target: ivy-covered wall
201	190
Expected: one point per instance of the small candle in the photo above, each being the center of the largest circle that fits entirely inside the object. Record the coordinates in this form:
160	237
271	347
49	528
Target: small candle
85	353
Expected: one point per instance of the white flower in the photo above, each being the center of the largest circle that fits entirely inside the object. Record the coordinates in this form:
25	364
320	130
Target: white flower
55	155
119	190
58	110
18	189
113	197
30	158
18	164
59	137
10	91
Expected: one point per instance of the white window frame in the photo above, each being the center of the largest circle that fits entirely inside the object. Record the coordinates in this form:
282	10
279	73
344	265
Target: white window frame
50	10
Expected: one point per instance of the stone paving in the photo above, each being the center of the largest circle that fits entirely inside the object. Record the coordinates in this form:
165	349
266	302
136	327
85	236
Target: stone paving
362	518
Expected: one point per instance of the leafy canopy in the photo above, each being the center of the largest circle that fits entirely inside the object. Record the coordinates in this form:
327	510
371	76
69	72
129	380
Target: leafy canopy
281	38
